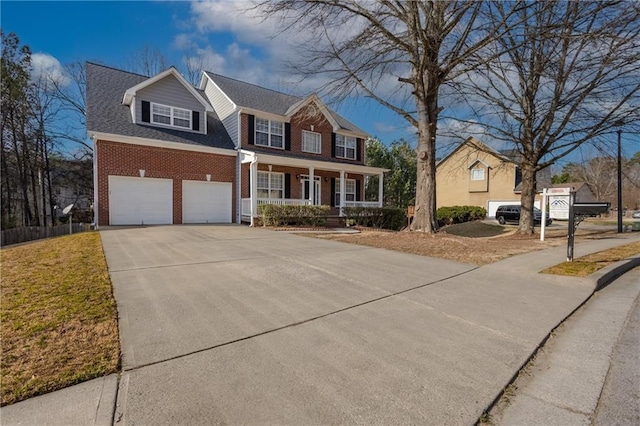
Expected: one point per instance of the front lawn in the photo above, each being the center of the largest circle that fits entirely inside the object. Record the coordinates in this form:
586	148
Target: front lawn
58	316
587	265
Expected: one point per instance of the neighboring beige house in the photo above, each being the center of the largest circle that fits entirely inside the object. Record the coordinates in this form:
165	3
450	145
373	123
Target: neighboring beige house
474	174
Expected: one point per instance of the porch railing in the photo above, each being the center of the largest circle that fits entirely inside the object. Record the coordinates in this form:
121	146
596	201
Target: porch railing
246	203
361	204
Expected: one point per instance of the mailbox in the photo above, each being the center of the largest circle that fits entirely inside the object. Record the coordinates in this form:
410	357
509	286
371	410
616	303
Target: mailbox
590	209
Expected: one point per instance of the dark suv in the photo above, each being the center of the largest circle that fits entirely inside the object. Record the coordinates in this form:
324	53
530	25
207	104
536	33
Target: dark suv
511	213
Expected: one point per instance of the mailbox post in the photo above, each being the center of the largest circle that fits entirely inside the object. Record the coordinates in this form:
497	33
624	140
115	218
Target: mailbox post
577	213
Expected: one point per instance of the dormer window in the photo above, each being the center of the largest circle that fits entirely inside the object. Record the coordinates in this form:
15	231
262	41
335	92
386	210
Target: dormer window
170	116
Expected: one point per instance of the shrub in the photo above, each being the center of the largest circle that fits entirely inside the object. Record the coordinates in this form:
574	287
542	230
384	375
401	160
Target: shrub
279	215
377	217
459	214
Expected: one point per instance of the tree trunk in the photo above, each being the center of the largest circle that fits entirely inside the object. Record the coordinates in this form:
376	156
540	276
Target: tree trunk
425	208
527	199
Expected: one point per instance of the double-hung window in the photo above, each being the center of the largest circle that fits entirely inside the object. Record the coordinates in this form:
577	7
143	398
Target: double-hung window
477	174
311	142
170	116
346	147
270	185
269	133
349	191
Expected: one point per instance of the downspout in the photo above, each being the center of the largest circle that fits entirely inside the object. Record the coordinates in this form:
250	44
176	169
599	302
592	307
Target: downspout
95	182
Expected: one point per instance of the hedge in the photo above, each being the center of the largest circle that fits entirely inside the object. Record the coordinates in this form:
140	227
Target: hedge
279	215
377	217
459	214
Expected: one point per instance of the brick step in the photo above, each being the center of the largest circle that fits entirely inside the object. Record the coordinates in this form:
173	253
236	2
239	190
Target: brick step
335	222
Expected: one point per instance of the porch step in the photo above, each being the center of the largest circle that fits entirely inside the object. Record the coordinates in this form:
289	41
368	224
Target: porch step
335	222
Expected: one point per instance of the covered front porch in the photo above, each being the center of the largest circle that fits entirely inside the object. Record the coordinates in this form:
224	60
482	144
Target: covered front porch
273	179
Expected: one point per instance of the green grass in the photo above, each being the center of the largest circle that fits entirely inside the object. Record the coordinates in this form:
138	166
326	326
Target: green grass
58	316
475	229
587	265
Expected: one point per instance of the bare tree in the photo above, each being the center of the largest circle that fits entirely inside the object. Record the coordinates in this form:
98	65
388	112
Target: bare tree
566	73
399	53
147	61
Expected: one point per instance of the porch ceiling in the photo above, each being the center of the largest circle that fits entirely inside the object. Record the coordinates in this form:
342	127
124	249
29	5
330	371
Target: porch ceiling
277	160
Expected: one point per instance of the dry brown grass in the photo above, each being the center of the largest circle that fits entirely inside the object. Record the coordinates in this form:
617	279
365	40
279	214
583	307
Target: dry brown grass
475	250
58	316
587	265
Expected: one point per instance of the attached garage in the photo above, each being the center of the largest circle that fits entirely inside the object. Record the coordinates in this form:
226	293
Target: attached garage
140	201
206	202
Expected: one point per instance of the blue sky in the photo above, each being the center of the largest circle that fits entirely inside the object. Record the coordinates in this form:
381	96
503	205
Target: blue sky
216	32
114	32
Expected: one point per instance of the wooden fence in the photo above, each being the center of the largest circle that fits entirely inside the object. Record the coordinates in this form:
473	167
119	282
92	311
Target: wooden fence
31	233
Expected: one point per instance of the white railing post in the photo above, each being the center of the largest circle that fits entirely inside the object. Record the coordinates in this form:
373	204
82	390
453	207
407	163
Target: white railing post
312	185
380	189
253	190
343	196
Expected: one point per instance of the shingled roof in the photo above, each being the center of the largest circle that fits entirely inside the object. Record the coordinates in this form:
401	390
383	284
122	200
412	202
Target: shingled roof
106	113
262	99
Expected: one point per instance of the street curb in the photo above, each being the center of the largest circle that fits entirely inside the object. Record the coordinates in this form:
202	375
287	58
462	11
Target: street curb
600	279
607	275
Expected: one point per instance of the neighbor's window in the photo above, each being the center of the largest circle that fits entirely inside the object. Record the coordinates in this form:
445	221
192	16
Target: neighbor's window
270	185
346	147
269	133
477	174
170	116
349	190
311	142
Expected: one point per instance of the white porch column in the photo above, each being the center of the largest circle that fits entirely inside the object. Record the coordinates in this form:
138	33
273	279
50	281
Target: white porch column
253	190
312	186
343	196
380	189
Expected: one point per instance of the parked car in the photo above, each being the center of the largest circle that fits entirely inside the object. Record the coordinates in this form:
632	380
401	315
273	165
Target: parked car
511	213
636	214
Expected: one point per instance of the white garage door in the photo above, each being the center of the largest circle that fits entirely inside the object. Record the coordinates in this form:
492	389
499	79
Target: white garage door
140	201
206	202
492	206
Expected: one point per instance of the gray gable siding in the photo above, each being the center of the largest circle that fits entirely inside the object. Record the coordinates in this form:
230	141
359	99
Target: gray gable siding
231	126
225	109
169	91
107	114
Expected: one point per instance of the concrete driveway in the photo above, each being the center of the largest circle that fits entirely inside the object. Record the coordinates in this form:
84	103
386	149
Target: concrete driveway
227	324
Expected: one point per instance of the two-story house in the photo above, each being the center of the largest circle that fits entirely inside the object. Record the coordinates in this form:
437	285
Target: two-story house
474	174
169	153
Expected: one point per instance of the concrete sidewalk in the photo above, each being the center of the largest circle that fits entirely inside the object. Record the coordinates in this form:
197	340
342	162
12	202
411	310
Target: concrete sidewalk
564	384
440	352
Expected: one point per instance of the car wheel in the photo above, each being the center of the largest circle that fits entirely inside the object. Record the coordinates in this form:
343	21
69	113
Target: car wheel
501	220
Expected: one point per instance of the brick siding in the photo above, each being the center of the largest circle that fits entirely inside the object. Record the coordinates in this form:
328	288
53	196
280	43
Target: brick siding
299	122
121	159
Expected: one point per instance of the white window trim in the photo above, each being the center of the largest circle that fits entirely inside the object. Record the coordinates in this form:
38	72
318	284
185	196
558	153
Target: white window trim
269	134
319	135
473	174
269	189
344	146
172	117
337	192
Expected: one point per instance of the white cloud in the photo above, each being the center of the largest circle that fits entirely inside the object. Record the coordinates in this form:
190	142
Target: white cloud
47	67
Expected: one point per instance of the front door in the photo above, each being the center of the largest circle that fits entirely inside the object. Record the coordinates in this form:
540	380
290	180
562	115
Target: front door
316	193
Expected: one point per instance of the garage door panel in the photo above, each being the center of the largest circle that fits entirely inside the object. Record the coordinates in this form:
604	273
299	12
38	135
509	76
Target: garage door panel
206	202
140	201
